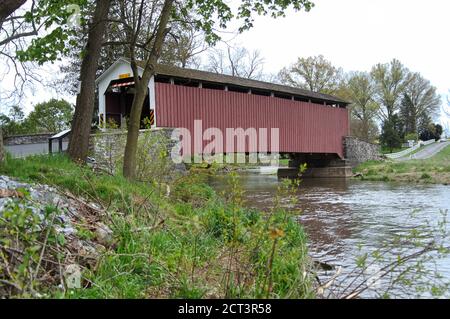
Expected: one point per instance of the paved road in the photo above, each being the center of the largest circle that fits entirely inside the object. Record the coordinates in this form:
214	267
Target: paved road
427	152
32	149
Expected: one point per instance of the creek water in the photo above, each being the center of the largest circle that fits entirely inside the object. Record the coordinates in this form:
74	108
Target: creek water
346	218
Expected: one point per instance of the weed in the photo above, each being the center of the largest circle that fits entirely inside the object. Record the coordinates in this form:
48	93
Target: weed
186	243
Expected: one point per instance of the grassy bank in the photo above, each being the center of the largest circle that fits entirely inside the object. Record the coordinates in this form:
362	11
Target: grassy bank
181	242
435	170
385	150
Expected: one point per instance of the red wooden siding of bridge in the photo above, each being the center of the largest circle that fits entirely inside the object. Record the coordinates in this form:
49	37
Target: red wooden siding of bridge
304	127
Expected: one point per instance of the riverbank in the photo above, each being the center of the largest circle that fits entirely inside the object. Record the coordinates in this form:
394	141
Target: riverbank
180	240
350	220
435	170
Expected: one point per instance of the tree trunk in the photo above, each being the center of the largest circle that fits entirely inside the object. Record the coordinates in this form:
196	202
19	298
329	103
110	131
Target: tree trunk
414	124
7	7
365	130
84	110
129	161
2	149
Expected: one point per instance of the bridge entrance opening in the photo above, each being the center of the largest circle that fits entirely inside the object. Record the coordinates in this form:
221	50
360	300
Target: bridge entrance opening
119	99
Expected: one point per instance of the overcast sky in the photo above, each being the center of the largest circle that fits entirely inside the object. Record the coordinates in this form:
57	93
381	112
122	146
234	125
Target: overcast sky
355	35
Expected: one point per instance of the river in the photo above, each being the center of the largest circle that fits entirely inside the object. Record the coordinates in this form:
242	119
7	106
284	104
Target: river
345	218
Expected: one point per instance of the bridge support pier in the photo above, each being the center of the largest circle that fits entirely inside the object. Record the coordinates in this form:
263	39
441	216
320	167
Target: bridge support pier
318	166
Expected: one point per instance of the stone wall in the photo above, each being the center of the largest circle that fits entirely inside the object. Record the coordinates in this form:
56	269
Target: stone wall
358	151
27	139
107	149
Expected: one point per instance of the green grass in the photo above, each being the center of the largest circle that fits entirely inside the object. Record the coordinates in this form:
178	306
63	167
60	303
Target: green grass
390	151
433	170
284	162
191	244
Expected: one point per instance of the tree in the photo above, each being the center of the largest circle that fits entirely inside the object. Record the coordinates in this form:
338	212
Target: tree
315	73
12	124
445	112
48	23
141	83
237	61
439	131
424	123
390	136
10	127
446	109
35	31
419	98
129	34
48	117
359	89
84	109
2	149
15	123
69	78
8	7
53	116
431	132
147	25
369	133
183	47
16	114
391	80
15	28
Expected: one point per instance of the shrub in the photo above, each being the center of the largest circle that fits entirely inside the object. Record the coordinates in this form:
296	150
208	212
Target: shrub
411	137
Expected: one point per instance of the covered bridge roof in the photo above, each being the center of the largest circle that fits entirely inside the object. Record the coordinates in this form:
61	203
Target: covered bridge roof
228	80
203	76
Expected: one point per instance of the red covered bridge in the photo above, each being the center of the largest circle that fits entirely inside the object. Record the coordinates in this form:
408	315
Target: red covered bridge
309	123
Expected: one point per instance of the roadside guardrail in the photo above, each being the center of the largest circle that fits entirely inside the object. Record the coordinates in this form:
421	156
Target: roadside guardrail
409	150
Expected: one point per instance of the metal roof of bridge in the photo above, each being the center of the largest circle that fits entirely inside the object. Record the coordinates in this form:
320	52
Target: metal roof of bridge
198	75
222	79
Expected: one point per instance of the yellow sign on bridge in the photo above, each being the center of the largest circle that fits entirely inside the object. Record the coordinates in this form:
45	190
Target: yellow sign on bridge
124	76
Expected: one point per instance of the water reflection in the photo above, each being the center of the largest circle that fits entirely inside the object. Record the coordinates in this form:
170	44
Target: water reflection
341	215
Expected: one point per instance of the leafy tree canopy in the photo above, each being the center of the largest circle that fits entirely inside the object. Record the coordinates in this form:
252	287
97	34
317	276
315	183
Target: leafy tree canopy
316	74
52	116
390	136
48	117
56	21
